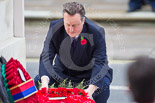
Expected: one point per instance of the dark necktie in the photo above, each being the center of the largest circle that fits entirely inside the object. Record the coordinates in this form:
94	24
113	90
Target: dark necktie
74	42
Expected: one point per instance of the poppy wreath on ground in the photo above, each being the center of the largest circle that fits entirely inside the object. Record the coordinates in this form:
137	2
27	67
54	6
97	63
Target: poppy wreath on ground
19	85
65	93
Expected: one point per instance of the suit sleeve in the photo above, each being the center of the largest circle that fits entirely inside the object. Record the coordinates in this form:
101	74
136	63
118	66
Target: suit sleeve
100	67
47	55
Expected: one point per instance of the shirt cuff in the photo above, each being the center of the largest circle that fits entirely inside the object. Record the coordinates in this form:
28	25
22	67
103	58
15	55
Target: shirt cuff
95	86
44	76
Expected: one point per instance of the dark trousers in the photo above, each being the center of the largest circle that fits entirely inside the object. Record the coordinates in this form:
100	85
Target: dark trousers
136	4
100	95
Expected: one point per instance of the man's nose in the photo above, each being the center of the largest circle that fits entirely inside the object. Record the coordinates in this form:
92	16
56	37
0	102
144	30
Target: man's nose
71	29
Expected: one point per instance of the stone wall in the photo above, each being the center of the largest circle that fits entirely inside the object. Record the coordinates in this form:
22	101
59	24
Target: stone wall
6	19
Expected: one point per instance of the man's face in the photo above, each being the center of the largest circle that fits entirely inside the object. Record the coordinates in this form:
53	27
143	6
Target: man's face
73	24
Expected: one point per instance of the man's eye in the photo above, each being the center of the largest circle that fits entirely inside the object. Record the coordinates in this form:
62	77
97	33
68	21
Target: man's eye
75	25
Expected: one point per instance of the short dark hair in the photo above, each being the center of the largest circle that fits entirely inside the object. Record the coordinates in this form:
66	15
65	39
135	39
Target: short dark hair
74	7
141	76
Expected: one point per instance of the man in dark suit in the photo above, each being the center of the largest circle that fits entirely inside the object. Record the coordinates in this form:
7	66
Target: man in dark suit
4	98
79	48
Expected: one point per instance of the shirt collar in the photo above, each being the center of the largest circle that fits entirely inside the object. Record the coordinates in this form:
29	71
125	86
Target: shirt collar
72	38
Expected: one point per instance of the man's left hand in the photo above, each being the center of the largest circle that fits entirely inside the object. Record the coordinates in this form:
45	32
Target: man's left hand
90	90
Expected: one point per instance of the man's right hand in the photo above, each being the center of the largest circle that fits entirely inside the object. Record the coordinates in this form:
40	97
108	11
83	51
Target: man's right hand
45	82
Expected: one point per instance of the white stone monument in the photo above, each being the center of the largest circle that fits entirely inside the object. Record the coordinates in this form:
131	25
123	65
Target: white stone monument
12	38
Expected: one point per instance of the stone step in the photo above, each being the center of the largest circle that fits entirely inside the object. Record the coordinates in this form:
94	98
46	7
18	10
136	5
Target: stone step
95	9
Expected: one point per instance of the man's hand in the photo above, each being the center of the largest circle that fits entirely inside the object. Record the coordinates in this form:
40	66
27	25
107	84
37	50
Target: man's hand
90	90
44	81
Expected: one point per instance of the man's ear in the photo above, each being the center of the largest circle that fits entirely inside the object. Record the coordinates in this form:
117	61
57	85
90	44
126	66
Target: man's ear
83	19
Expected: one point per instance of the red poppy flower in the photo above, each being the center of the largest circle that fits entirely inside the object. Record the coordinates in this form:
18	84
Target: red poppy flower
83	42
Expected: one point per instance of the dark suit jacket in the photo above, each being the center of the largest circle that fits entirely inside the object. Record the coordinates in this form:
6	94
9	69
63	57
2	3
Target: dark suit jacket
3	92
87	61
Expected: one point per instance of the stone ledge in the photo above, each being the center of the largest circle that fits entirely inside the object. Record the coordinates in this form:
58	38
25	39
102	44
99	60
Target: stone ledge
14	47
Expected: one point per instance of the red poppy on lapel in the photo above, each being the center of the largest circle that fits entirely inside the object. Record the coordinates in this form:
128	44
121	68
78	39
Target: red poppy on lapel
83	41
